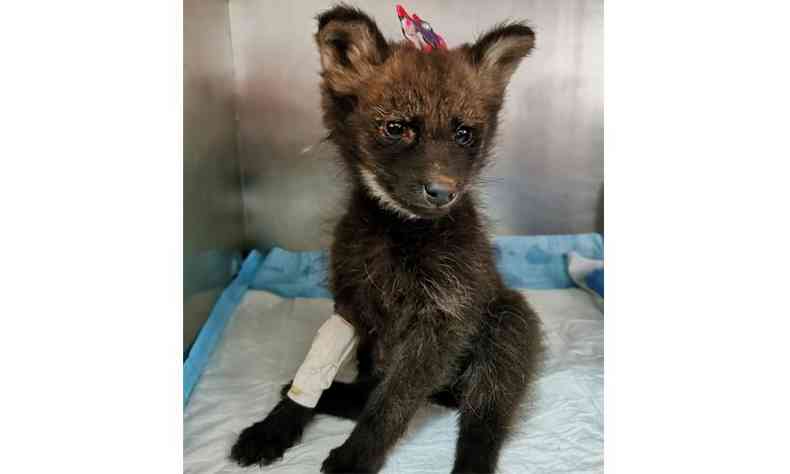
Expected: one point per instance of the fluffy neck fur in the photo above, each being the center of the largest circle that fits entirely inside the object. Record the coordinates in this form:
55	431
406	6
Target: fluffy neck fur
368	208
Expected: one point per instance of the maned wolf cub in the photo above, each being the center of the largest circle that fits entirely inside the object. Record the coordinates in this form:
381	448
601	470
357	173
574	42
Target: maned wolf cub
411	267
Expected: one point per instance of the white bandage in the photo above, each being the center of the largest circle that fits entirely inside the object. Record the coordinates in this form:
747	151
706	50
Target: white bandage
332	345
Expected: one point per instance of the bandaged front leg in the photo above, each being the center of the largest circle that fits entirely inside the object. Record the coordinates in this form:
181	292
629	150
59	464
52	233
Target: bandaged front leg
335	341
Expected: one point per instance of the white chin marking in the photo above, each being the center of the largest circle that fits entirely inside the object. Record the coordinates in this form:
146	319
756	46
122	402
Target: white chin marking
381	195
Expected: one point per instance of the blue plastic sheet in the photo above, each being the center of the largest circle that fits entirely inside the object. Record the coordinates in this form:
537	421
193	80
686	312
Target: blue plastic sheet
211	332
536	262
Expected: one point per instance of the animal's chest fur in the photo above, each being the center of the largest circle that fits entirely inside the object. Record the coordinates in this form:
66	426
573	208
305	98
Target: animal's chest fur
415	281
401	281
406	291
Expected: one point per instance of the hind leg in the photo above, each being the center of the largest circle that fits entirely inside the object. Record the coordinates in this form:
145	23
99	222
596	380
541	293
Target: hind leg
343	400
445	398
503	362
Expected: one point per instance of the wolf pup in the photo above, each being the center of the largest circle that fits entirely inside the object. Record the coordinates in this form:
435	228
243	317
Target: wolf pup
411	266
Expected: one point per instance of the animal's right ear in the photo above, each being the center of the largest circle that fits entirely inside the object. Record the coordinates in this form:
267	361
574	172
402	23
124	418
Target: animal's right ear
350	45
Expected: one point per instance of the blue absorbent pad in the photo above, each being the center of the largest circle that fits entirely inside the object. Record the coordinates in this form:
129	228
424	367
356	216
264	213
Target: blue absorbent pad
211	332
525	262
595	281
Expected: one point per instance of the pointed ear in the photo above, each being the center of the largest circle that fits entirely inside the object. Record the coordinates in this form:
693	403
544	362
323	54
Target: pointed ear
350	45
498	52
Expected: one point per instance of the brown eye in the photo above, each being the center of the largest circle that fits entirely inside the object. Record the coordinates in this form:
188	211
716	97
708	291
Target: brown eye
394	129
464	136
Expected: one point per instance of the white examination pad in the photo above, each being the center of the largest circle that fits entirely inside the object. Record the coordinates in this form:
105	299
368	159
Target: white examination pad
559	431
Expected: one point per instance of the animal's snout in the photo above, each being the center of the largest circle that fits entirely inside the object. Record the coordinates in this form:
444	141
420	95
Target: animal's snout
441	192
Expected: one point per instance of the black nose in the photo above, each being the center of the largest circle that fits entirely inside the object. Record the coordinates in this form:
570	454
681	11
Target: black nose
439	194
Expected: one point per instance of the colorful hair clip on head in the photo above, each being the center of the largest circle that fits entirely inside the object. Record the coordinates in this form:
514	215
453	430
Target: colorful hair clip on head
419	32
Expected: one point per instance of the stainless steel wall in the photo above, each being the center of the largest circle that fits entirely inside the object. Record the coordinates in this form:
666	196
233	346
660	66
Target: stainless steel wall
549	173
213	232
256	174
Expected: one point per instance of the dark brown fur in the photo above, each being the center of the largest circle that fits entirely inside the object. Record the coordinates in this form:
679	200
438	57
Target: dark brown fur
417	280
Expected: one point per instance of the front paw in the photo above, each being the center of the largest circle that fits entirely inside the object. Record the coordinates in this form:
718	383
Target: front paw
348	460
267	440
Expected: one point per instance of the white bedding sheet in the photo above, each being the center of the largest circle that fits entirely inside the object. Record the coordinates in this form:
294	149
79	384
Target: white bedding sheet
560	429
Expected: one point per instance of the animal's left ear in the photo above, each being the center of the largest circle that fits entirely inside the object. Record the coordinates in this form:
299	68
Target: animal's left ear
498	52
